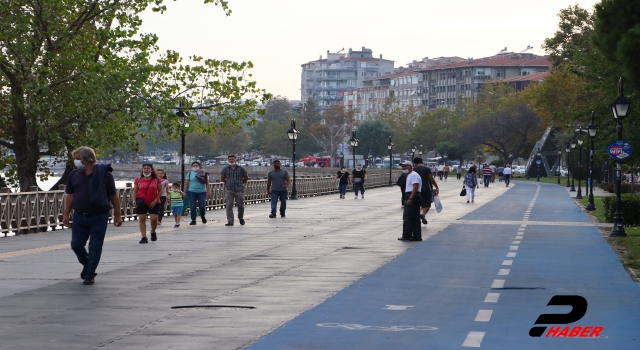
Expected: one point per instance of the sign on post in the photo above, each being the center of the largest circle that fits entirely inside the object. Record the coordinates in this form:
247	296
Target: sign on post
619	150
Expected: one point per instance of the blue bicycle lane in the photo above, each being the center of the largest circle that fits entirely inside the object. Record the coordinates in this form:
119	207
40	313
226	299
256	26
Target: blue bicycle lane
483	283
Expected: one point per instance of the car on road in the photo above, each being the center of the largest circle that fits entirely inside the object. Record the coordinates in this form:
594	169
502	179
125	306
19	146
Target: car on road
518	169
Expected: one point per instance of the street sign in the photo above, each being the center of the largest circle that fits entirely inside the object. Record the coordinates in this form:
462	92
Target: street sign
538	162
619	150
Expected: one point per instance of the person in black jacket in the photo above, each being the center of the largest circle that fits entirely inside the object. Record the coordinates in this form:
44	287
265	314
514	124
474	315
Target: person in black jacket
402	182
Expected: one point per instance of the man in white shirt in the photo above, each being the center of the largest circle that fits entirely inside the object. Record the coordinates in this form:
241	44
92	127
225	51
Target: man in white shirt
507	174
493	172
440	171
411	228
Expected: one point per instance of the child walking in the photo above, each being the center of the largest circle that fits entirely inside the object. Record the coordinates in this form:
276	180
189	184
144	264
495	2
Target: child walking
176	202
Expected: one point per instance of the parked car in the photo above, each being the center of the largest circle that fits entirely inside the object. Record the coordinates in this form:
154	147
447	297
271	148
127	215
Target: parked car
519	169
563	172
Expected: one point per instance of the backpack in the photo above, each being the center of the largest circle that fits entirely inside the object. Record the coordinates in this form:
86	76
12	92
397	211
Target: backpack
202	176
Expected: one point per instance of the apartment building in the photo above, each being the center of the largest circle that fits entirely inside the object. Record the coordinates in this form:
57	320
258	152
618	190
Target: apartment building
323	80
443	85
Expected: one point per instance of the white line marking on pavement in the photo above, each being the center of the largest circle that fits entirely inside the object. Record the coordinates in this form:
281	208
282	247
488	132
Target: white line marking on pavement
483	316
507	262
523	226
521	229
503	272
397	307
513	247
518	237
474	339
510	255
516	242
497	284
492	298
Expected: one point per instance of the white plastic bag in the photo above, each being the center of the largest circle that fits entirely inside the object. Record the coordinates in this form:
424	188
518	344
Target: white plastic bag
438	203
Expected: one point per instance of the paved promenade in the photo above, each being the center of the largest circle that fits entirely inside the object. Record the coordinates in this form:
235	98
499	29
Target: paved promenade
481	277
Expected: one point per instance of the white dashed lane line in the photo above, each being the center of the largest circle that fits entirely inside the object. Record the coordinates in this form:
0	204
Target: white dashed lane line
484	316
474	339
492	298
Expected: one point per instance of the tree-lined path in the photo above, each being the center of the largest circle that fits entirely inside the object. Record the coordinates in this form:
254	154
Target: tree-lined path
290	269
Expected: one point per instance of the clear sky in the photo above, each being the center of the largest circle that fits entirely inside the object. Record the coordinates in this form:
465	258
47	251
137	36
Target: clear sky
280	35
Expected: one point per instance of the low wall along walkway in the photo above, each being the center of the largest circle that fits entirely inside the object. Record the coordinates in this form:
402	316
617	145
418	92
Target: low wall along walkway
40	211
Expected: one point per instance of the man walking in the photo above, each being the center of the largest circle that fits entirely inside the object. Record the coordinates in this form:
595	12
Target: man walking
411	228
234	178
428	184
486	174
493	173
89	190
507	174
280	180
440	171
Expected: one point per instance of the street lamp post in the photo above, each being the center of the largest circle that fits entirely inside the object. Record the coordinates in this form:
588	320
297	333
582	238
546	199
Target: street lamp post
593	129
567	151
559	164
573	165
445	159
620	108
293	136
341	160
579	195
538	161
353	141
185	124
390	147
413	151
478	165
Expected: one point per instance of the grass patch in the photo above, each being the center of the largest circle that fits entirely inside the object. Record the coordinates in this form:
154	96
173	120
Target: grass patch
597	201
549	180
628	247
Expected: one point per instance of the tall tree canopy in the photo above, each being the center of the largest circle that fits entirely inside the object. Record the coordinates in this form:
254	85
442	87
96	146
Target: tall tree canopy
373	137
78	72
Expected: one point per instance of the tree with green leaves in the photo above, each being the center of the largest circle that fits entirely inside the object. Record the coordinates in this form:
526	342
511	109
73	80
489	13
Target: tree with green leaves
402	119
373	136
616	33
78	73
278	108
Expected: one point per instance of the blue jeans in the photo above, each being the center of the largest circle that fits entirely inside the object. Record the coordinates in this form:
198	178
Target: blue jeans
83	228
201	197
487	179
507	178
274	201
343	189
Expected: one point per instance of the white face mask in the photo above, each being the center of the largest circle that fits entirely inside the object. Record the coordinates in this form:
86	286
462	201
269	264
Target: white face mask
406	171
146	174
232	162
195	168
78	163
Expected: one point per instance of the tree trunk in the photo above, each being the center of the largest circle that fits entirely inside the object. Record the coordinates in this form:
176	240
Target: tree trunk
25	143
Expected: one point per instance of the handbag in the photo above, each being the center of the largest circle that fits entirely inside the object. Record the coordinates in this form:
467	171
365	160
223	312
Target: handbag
438	204
463	192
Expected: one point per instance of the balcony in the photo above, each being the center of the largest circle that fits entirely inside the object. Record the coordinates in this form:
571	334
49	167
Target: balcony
482	77
333	88
334	69
334	78
330	97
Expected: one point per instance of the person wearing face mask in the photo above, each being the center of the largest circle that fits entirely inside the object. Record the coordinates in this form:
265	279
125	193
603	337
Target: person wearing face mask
343	177
358	177
234	178
147	190
280	180
411	228
89	190
197	191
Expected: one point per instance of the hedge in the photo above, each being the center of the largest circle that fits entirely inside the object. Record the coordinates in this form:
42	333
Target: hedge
630	206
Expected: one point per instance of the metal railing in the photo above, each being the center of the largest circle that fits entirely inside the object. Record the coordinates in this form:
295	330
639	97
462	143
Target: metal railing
40	211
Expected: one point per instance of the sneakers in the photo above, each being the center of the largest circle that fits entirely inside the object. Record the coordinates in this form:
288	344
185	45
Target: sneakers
154	237
472	201
423	218
193	222
144	240
229	224
176	225
204	220
88	281
363	196
241	221
272	215
356	197
281	215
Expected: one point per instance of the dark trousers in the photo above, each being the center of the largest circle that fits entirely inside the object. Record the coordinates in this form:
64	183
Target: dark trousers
402	196
163	207
487	179
274	201
411	226
458	175
507	178
83	228
358	186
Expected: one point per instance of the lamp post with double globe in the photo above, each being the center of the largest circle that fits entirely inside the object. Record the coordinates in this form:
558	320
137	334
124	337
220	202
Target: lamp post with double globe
573	164
293	137
593	129
353	141
390	147
620	107
413	150
559	164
